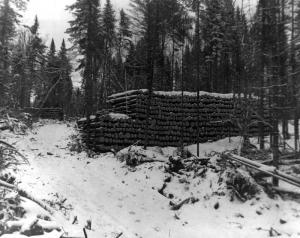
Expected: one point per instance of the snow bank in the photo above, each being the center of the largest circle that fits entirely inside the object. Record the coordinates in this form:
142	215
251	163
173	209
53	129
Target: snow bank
192	94
118	199
114	116
117	116
172	93
128	93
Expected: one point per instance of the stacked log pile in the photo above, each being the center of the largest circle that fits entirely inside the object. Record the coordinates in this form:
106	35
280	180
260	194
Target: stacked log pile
171	120
46	113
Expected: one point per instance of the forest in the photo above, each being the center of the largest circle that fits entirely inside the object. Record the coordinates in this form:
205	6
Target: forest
186	120
213	46
170	45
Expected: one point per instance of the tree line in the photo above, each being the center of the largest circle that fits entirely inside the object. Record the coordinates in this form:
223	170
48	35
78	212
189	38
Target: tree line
191	45
210	45
31	74
177	44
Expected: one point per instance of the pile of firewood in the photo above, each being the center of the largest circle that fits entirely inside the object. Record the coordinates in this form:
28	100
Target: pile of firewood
105	132
172	120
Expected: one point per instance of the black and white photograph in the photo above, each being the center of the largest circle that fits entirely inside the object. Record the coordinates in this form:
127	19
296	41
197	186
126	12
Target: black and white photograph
149	118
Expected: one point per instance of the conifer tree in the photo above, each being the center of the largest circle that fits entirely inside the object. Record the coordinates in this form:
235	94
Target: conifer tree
123	44
85	33
9	18
20	69
124	34
35	58
53	77
65	87
109	37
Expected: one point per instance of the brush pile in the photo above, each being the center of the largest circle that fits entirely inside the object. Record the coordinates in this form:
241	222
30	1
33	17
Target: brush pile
15	121
20	216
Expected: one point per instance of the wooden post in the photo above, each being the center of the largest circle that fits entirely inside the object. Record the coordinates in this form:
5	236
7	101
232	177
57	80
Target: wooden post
198	73
182	94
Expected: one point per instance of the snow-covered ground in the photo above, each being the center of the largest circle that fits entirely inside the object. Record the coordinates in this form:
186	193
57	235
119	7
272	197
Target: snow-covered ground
118	200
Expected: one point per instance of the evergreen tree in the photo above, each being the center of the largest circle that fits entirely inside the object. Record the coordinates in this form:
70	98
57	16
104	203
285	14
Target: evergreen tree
35	58
66	87
51	96
26	66
9	18
108	24
109	37
20	69
85	33
123	45
124	34
158	23
124	26
135	71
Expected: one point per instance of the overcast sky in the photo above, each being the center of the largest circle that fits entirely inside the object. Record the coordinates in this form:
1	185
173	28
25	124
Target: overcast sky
54	18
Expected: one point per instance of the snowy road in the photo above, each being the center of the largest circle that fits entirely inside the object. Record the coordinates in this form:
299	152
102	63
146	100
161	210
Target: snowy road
118	201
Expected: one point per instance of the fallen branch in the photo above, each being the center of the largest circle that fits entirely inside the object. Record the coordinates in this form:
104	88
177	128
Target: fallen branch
273	232
40	203
6	185
237	194
6	144
152	161
176	207
25	194
162	189
119	235
14	150
85	234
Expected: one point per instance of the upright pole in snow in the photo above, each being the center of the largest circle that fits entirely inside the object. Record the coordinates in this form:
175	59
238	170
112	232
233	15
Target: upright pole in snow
182	94
198	72
126	88
294	79
275	72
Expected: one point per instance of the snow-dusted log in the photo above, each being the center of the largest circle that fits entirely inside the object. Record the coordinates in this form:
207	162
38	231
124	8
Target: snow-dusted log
270	170
185	201
10	147
6	185
289	192
27	195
